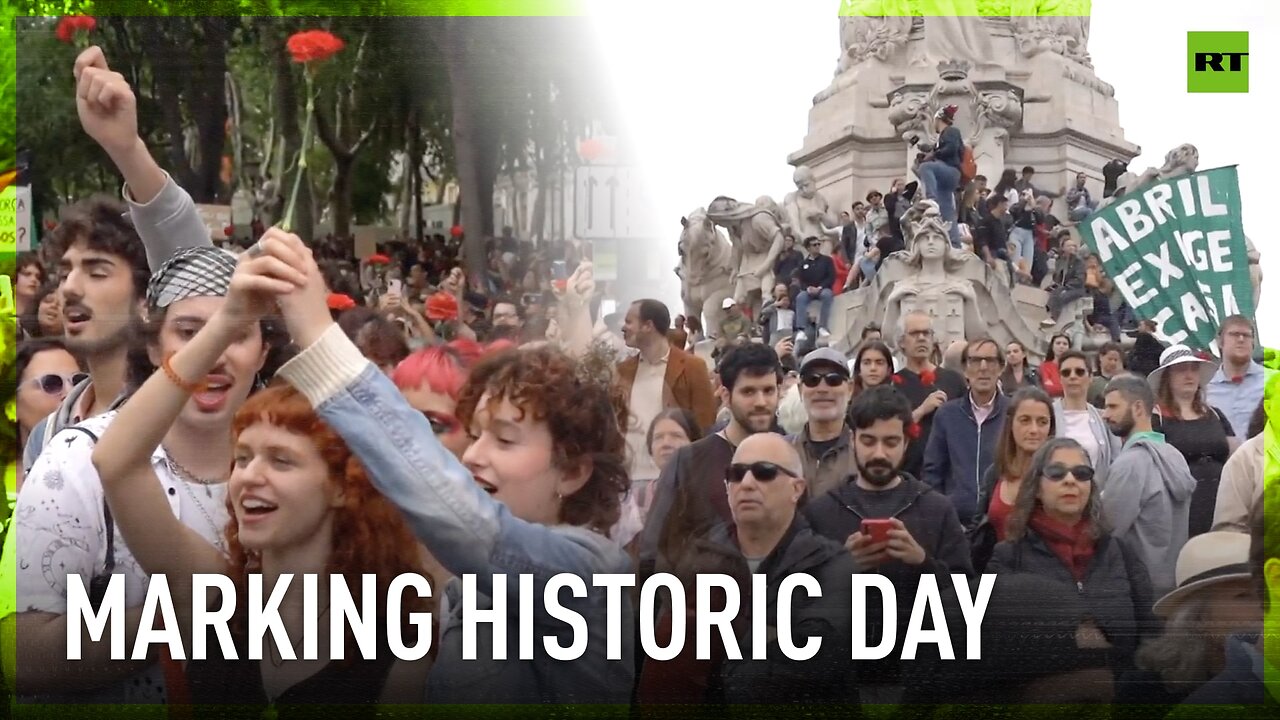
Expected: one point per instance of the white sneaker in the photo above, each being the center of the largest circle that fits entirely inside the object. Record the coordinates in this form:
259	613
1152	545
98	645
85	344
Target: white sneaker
823	334
1048	322
800	337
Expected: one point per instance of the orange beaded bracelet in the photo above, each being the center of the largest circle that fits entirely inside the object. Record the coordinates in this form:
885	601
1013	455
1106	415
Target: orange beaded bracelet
190	388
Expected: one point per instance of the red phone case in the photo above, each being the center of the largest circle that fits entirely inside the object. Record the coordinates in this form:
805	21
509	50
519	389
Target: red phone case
877	529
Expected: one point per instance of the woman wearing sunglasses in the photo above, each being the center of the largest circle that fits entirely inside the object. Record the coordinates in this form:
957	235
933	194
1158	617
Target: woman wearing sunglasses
45	371
1055	531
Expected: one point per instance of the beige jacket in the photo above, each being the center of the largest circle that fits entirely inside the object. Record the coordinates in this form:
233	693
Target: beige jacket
1240	489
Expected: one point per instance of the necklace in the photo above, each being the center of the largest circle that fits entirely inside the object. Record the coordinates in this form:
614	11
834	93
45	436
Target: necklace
187	475
217	533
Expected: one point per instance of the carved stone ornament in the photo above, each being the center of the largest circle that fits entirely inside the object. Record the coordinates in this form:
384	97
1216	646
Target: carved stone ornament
865	37
912	112
1066	36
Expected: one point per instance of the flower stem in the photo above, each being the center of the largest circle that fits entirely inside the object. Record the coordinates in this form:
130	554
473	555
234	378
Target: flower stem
287	225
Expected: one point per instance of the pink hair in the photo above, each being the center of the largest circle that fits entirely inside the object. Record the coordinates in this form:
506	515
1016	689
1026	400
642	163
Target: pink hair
444	368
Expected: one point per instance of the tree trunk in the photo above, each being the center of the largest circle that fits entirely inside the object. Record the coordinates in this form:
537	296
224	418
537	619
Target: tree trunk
475	184
208	109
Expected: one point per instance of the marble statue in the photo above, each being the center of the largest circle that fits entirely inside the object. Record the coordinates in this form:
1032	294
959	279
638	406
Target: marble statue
870	37
756	232
936	288
1057	26
959	35
706	270
808	212
965	296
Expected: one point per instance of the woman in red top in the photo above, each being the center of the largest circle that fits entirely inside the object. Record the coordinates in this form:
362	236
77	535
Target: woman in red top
1028	423
1050	378
842	272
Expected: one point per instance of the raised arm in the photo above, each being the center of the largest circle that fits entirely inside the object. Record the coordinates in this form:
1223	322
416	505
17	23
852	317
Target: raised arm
464	528
162	212
160	542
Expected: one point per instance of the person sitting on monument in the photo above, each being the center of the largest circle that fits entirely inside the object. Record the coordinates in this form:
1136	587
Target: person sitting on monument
789	259
940	170
991	239
815	276
1068	280
1101	319
1080	203
1025	183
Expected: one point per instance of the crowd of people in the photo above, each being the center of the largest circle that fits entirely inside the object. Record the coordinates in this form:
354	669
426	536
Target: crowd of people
186	409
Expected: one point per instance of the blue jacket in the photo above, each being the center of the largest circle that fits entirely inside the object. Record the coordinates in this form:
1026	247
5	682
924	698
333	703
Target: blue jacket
959	451
471	533
950	146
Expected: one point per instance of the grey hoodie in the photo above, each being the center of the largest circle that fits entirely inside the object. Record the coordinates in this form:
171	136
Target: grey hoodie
1147	502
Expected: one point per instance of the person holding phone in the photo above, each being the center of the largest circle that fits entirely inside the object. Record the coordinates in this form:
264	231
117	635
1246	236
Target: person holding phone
890	522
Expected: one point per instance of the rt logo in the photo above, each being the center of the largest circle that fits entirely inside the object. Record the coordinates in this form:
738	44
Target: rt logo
1217	62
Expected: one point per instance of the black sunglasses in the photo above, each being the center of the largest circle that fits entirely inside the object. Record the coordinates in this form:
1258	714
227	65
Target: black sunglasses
832	379
1058	472
55	384
1074	372
440	424
761	471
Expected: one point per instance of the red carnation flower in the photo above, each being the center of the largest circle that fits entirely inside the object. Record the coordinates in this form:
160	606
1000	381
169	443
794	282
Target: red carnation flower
456	231
379	259
927	377
311	46
229	230
70	25
897	379
913	431
50	225
338	301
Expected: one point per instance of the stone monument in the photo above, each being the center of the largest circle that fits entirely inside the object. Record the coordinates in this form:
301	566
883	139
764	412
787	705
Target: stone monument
756	234
706	270
965	296
808	212
1024	84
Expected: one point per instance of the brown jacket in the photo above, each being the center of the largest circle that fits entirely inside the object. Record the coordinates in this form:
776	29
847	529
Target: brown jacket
687	385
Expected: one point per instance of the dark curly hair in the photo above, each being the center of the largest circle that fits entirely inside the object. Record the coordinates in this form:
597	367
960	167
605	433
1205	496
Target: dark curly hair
103	224
585	414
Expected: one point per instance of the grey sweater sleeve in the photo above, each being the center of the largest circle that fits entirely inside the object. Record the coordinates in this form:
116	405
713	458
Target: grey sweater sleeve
167	224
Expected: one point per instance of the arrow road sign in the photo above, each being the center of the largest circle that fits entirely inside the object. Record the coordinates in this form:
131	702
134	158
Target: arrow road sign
615	214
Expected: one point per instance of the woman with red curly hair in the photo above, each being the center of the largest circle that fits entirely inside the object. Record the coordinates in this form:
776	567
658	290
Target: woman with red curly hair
299	503
534	495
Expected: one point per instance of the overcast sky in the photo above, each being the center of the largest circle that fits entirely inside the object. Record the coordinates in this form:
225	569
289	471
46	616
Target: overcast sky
717	92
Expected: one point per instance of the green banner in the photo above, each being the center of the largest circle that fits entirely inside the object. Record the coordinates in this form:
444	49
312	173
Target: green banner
1176	251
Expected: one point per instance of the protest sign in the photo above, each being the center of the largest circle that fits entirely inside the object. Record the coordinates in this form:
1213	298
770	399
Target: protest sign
1177	253
15	219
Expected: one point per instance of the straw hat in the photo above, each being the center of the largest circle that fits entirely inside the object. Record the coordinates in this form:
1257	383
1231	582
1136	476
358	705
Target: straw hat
1207	559
1177	355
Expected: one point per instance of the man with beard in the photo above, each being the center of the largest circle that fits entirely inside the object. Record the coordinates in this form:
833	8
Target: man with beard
925	385
689	498
824	443
963	443
1147	500
925	536
104	252
658	377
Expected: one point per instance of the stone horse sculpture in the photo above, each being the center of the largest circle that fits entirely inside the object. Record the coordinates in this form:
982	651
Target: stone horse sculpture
706	270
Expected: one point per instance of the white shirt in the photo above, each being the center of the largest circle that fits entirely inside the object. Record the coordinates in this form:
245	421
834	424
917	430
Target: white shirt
59	516
1077	428
647	392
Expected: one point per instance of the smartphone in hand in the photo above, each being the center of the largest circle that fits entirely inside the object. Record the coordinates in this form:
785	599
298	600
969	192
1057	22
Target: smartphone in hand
877	529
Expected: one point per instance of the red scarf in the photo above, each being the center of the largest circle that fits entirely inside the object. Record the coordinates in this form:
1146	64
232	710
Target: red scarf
1073	545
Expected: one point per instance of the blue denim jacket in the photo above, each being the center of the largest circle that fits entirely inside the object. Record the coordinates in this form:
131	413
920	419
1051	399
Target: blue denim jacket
469	532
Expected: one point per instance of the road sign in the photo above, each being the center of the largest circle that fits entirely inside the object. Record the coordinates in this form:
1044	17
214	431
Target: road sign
607	203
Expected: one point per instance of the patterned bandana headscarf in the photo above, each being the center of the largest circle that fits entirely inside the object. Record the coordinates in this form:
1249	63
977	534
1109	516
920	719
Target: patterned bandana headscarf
194	272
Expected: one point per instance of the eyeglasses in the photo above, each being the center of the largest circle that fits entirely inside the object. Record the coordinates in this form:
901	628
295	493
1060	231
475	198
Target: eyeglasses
761	471
441	424
1240	335
985	360
55	384
832	379
1057	472
1074	372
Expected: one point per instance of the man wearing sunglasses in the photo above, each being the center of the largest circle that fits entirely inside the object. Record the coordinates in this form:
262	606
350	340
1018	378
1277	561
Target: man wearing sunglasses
824	444
764	486
924	534
1147	499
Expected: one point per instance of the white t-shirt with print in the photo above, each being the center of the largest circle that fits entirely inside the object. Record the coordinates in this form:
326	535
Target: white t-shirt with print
61	531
